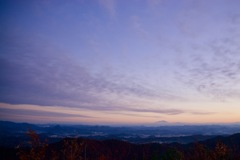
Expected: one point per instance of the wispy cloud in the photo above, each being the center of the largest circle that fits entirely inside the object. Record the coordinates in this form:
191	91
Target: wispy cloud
216	75
138	27
153	56
27	112
210	63
171	111
43	114
38	73
160	110
154	3
94	113
110	6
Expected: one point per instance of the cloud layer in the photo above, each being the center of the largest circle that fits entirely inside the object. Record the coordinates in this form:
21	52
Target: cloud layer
37	73
111	57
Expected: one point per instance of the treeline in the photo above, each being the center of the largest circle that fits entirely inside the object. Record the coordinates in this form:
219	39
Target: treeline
86	149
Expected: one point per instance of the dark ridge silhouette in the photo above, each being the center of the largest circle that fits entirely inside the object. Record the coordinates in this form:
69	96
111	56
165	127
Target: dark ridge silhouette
218	148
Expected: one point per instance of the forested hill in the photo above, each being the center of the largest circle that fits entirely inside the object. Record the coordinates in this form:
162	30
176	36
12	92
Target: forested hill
218	148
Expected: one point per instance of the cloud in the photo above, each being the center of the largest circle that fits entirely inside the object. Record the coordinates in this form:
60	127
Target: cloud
37	72
109	5
171	111
209	61
159	110
59	113
27	112
138	27
217	74
154	3
38	80
37	113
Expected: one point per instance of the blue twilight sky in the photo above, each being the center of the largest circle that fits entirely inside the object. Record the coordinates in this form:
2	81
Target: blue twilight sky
119	61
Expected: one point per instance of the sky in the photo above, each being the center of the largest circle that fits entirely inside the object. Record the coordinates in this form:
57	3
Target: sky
120	61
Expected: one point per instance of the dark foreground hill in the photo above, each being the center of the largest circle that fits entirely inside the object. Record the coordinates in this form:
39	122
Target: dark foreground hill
218	148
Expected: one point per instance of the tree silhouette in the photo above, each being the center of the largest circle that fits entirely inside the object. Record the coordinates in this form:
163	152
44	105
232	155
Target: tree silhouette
75	149
37	148
72	149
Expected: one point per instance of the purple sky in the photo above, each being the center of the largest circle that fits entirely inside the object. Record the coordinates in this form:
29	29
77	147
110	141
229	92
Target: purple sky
120	62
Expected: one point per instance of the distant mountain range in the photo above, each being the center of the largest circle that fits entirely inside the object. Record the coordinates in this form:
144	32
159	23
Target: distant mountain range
136	142
13	133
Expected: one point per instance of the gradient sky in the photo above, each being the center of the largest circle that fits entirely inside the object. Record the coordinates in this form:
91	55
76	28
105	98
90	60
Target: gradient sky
120	61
